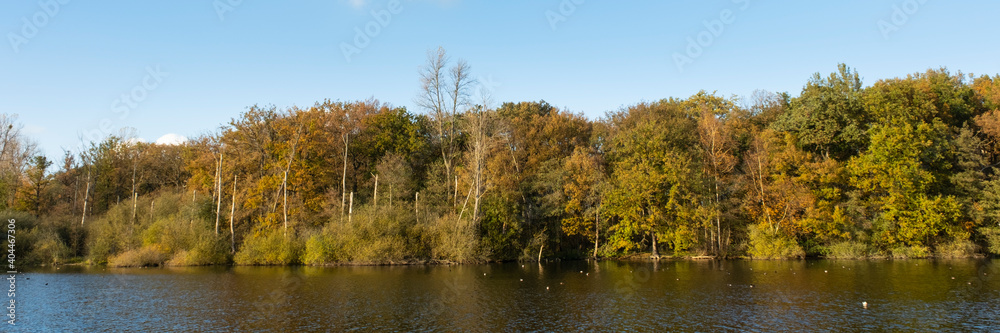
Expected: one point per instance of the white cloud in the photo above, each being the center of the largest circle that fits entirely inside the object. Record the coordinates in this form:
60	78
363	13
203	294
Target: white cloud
171	139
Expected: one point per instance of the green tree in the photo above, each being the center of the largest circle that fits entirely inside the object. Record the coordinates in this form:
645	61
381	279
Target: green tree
828	117
898	187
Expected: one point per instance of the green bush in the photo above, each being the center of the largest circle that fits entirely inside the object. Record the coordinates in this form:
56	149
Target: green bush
381	236
269	248
143	257
107	237
167	221
46	248
319	250
959	248
766	244
209	249
454	239
369	237
910	252
847	250
33	244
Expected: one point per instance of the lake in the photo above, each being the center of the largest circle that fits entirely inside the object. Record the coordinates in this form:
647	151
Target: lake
737	295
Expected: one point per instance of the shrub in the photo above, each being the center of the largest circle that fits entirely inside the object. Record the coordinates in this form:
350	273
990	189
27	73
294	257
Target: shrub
847	250
143	257
454	239
106	239
46	248
269	248
319	250
959	248
167	221
767	244
209	249
910	252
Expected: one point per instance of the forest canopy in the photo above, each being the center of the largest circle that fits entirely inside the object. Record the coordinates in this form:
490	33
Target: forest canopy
903	167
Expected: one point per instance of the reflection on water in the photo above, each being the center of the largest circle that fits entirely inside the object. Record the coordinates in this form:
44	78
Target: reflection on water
561	296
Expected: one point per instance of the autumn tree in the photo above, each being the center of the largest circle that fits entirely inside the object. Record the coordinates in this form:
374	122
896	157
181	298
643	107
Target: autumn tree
584	178
34	196
533	140
654	178
718	147
16	152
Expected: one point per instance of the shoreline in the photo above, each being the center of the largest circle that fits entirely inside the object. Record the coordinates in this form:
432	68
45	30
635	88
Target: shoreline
641	257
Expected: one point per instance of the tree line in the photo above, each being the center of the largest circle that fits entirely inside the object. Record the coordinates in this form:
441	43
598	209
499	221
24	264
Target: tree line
904	167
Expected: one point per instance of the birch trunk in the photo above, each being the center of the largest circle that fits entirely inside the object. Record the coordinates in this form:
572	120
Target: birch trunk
232	211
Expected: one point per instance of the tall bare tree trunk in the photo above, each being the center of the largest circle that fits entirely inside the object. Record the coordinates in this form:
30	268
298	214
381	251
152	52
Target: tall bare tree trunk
718	220
191	218
462	212
284	180
350	211
218	192
343	178
597	229
86	197
656	252
375	200
284	204
135	196
540	252
232	212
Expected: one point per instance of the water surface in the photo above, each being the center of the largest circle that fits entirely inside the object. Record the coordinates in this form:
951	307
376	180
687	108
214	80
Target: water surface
814	295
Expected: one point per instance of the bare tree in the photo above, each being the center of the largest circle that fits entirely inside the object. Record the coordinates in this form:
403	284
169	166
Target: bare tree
445	94
480	125
232	213
346	136
16	151
284	180
218	189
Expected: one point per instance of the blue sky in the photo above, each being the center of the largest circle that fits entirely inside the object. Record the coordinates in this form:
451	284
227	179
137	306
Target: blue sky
68	77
